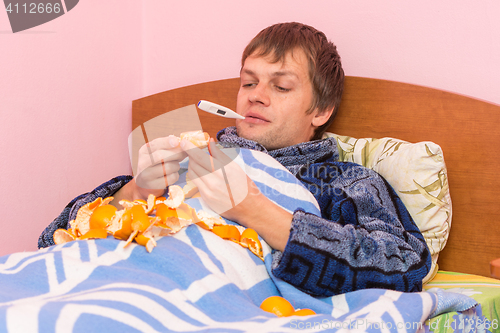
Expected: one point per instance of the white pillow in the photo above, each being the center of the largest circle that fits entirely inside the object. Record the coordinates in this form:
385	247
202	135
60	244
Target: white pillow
418	174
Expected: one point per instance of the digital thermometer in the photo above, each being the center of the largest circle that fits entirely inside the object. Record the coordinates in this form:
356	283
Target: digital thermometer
218	110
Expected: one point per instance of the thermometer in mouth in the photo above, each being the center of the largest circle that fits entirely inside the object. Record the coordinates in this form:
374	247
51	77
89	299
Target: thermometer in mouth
218	110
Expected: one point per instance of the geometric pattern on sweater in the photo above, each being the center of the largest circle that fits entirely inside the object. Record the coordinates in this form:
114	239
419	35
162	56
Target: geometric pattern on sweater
69	212
364	238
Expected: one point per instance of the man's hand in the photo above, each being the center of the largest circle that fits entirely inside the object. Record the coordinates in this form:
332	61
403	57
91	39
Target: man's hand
227	190
157	167
158	164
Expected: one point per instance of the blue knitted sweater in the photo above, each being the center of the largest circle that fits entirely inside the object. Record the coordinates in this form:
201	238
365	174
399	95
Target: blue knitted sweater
364	238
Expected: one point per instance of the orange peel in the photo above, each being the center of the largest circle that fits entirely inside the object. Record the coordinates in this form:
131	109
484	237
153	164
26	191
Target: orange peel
207	221
148	242
143	221
81	224
189	189
164	212
139	222
94	233
127	204
102	216
250	239
186	212
62	236
160	200
121	227
148	205
175	196
140	202
139	219
176	224
227	232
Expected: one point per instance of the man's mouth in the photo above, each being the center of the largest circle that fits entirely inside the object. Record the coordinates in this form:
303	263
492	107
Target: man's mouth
253	117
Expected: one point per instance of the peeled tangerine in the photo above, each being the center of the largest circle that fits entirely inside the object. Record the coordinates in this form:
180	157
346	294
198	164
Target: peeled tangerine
283	308
198	138
144	220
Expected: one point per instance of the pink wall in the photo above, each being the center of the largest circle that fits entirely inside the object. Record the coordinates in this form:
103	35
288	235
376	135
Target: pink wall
447	44
65	107
66	87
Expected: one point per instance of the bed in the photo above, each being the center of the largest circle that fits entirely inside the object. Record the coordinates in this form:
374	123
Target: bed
432	146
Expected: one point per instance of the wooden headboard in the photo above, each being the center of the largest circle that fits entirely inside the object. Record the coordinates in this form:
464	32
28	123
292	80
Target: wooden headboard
466	129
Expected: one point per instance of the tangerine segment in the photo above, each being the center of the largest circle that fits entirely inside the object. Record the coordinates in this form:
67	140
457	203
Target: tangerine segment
95	233
102	216
227	232
278	305
198	138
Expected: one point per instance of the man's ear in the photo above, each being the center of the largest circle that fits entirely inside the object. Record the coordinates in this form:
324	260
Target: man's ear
321	117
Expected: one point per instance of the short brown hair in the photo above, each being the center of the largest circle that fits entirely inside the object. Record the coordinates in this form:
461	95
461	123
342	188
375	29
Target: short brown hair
325	68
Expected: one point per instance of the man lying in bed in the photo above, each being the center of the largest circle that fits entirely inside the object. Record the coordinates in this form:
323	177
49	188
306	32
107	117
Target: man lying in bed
291	86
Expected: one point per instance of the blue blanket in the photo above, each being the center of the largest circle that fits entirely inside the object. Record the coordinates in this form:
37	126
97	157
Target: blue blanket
192	281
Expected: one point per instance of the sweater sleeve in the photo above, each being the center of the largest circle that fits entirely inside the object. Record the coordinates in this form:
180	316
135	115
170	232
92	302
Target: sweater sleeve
69	212
365	238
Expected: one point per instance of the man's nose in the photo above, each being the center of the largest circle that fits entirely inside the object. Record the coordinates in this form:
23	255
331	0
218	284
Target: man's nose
260	95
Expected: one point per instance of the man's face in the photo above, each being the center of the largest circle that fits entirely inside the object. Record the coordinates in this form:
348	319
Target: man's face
274	98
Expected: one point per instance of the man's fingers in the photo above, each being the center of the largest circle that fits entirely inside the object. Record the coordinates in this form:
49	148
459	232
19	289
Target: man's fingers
196	155
159	157
167	156
158	183
215	193
218	154
211	163
168	142
159	170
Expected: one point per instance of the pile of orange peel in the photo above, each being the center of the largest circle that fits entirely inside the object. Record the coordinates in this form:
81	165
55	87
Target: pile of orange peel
144	221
